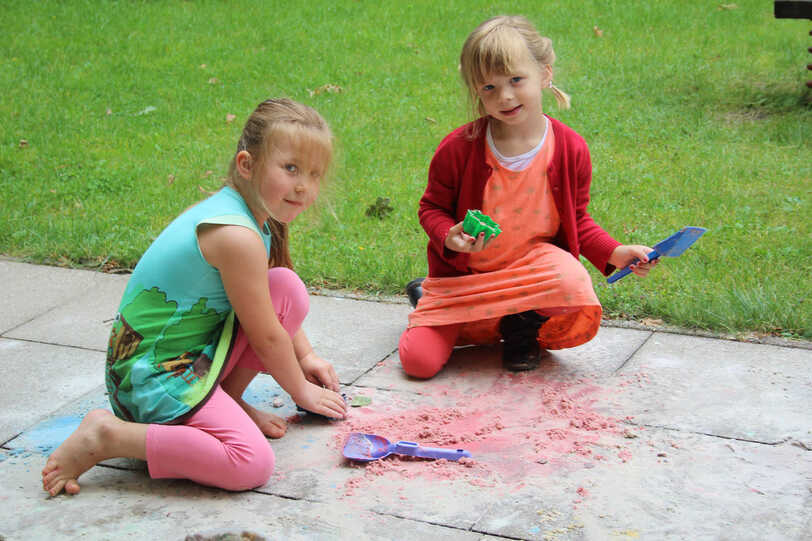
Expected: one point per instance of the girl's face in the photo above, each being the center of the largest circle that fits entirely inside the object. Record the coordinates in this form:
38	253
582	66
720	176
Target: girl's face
515	97
288	183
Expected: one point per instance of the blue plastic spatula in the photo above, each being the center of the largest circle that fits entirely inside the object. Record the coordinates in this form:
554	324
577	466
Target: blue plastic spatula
670	247
367	447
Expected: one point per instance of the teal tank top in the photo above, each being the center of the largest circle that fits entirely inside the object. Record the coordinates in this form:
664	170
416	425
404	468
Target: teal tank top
174	327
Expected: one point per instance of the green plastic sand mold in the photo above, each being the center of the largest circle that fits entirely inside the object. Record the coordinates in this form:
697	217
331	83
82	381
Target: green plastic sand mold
475	223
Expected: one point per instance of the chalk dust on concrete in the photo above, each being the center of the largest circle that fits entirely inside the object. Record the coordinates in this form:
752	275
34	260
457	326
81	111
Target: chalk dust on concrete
525	424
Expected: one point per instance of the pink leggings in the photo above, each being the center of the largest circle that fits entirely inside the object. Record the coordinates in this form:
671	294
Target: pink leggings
424	351
220	445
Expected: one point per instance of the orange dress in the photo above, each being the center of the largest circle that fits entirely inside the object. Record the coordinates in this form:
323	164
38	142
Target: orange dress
519	270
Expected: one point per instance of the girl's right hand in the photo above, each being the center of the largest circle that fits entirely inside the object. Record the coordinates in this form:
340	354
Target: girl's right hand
460	241
323	401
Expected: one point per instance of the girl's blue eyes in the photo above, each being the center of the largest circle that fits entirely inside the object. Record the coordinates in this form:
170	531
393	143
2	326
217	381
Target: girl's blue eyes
513	80
291	168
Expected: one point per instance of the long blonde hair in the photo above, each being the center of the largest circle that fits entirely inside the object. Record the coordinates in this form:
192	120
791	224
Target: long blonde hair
273	123
496	46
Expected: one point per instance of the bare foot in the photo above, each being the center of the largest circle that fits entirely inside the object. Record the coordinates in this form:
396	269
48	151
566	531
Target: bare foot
271	425
82	450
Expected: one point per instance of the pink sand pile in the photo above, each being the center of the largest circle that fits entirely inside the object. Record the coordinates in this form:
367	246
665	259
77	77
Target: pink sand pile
523	425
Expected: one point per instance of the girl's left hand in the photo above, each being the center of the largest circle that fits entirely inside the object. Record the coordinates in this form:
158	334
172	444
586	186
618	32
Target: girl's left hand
625	254
319	371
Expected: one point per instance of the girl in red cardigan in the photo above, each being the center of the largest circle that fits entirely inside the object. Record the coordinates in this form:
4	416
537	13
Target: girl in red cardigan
531	174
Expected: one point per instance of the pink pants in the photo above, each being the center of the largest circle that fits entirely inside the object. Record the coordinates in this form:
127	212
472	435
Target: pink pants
425	350
220	445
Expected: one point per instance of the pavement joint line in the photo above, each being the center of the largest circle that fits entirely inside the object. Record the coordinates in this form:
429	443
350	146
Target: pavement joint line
789	440
440	524
55	344
498	536
114	467
373	367
632	354
284	497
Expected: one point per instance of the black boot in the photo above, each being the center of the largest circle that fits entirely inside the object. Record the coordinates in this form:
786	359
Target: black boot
521	350
414	291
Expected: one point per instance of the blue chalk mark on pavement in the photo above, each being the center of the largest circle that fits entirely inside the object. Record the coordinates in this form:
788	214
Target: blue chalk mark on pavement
47	435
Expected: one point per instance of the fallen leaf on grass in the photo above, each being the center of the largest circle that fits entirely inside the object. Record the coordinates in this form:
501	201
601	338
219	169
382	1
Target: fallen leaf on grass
328	88
598	32
170	179
230	118
651	322
214	81
23	143
728	6
146	110
380	208
109	112
204	190
431	120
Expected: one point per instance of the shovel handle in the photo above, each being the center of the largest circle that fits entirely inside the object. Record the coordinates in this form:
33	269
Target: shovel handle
627	269
412	449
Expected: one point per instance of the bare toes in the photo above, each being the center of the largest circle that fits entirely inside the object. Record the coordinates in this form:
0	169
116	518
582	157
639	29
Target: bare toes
50	466
275	431
50	477
55	488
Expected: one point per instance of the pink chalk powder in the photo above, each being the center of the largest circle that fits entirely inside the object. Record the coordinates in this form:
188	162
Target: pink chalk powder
523	425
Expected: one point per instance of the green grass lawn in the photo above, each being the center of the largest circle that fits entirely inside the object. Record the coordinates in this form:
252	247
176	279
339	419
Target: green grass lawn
115	117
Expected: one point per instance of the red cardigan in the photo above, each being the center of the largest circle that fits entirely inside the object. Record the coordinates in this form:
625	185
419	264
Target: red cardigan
457	177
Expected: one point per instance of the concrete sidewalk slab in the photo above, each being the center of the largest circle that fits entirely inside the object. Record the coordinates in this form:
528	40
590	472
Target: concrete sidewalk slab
33	290
728	389
353	334
119	504
83	321
635	435
39	378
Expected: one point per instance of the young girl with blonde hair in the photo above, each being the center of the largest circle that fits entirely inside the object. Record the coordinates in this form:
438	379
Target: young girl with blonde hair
531	174
212	302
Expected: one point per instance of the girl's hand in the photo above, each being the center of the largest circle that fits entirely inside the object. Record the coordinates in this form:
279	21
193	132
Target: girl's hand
319	371
321	400
625	254
460	241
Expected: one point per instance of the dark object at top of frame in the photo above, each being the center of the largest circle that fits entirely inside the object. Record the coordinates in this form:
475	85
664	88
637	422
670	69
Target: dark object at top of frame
796	9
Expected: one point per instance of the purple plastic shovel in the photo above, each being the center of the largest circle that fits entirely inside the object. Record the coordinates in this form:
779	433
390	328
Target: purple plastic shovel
367	447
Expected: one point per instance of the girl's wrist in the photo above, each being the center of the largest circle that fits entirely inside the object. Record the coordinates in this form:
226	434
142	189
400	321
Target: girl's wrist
305	357
614	257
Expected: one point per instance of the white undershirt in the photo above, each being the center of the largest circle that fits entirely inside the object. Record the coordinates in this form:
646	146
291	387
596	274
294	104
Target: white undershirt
522	161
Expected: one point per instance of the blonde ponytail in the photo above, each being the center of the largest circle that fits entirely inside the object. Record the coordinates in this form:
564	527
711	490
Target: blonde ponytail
561	98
